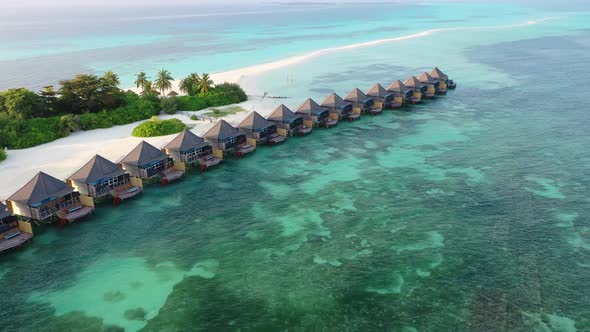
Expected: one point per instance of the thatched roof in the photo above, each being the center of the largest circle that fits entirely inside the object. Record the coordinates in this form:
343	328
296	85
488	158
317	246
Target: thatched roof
357	96
437	73
398	86
413	82
254	121
40	188
334	101
186	141
143	154
221	130
378	91
426	78
282	114
4	211
172	93
96	169
310	107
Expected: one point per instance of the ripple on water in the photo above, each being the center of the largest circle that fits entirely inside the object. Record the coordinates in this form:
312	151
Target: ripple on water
115	289
433	240
548	188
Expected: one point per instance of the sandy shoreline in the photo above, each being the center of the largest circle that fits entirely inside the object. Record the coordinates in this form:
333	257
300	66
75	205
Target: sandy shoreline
64	156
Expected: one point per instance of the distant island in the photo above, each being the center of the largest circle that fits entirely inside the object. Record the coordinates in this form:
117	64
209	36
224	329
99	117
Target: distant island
87	101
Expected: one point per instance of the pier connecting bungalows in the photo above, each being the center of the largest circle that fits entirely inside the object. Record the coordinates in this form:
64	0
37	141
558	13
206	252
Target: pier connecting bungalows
146	161
384	99
259	130
438	74
226	139
315	114
434	85
189	149
45	197
287	122
100	177
13	233
401	91
362	103
338	108
418	88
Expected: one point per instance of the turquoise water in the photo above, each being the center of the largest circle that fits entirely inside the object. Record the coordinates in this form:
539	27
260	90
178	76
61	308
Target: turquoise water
467	213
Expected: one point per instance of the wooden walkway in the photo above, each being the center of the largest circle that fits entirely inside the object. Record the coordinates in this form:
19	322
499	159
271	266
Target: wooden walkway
15	241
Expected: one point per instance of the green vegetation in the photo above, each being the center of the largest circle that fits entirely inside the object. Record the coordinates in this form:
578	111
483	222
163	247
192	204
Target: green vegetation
169	105
157	127
87	101
219	113
2	155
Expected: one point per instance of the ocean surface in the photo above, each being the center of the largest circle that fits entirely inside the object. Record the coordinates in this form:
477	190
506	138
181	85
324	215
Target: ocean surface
470	212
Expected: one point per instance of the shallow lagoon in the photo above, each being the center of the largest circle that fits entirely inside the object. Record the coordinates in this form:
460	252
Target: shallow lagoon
467	213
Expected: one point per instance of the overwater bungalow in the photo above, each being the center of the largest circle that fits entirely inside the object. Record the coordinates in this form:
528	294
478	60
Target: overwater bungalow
259	130
225	138
100	177
434	85
401	91
438	74
146	161
315	114
287	122
362	103
338	108
189	149
418	87
384	99
13	233
45	197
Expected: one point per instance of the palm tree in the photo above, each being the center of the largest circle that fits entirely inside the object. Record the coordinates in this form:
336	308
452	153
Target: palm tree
189	84
141	80
164	81
147	89
205	83
111	79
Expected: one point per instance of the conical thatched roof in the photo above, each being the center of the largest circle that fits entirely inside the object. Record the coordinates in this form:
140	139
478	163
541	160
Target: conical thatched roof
378	91
221	130
186	141
40	188
426	78
437	73
398	86
143	154
282	113
3	211
254	121
413	82
310	107
172	93
334	101
96	169
356	96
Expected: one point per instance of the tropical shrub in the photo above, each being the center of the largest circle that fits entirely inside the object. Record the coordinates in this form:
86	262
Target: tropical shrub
157	127
169	105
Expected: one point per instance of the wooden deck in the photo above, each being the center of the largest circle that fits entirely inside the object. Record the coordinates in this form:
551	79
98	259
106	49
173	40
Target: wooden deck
15	241
172	174
77	214
129	193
